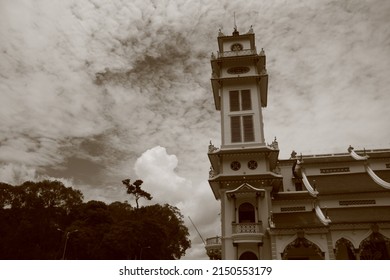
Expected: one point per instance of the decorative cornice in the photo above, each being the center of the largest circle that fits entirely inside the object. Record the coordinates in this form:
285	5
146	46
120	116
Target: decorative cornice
291	231
244	189
357	202
334	170
293	209
358	226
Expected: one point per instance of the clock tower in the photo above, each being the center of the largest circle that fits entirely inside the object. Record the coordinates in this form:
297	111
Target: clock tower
312	207
244	173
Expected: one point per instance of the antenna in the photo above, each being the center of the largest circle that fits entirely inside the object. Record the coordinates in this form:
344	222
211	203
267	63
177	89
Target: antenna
197	230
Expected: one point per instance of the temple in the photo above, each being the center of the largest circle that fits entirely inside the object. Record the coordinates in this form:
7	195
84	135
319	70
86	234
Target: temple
329	206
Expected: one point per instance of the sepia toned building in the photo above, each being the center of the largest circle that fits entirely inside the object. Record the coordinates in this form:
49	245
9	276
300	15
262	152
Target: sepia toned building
329	206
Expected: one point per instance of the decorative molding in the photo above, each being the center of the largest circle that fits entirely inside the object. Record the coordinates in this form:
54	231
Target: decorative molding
300	242
247	228
357	202
212	148
293	209
237	53
290	231
236	47
334	170
252	164
245	189
238	70
212	173
347	243
358	226
235	165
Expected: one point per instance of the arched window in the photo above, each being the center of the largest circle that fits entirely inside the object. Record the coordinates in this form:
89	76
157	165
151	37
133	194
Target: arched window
375	247
344	250
246	213
302	249
248	255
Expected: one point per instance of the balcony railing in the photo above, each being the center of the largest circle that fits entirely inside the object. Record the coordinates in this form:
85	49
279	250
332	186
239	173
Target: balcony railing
237	53
213	241
247	228
213	247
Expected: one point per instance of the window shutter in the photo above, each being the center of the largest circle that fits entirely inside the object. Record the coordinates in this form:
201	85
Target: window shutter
249	135
234	101
236	129
246	100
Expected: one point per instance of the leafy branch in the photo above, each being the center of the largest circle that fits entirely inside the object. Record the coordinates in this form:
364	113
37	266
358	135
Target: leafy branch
135	189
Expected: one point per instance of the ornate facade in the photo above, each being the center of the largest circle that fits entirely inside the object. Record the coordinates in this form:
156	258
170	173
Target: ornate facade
331	206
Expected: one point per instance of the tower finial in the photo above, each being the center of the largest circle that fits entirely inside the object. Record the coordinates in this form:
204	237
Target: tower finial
235	31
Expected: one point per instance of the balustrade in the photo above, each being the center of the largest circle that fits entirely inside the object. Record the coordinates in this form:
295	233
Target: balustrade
247	228
214	240
236	53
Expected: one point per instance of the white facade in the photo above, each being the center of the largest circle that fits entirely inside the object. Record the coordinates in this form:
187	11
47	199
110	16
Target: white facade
308	207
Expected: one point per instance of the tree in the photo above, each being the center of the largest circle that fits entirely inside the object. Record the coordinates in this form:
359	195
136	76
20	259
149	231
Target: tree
93	221
135	190
38	219
165	230
30	215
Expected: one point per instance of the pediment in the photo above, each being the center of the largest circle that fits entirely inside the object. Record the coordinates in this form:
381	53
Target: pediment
245	189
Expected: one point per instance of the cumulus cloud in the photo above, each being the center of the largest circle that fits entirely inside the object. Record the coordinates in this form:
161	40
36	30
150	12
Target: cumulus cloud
158	171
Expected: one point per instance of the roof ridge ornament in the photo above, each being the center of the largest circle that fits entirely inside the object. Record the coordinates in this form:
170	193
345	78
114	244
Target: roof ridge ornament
262	52
220	34
312	190
320	215
355	155
368	168
376	178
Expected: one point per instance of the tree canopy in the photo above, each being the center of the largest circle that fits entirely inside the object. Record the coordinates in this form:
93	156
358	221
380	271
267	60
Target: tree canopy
46	220
135	190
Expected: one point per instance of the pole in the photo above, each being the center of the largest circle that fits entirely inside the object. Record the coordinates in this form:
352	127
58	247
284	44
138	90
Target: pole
66	241
197	230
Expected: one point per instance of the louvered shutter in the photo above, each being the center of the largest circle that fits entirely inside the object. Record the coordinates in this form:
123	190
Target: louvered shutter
234	101
246	103
249	135
236	129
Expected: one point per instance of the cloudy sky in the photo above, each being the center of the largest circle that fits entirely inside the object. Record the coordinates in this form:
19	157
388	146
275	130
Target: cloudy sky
93	92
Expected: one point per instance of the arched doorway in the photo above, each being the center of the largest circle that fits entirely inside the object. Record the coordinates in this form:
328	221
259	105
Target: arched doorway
248	255
375	247
246	213
302	249
344	250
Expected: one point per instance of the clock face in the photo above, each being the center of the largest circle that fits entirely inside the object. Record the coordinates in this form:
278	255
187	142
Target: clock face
252	164
238	70
236	47
235	165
